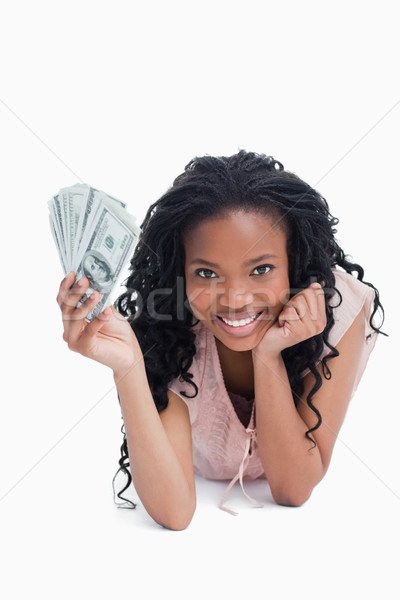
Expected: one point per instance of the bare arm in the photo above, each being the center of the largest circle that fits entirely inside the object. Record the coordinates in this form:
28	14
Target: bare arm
160	451
292	466
159	445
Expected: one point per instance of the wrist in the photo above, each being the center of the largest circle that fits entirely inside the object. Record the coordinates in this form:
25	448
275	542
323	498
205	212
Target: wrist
267	369
262	359
135	368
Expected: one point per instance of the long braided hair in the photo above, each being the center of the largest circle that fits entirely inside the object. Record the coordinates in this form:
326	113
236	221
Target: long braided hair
155	302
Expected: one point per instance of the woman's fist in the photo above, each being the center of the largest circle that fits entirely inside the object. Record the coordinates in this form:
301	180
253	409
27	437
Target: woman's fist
302	317
108	339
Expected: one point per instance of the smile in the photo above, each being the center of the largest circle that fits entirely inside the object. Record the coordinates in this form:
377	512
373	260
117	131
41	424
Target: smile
240	323
239	327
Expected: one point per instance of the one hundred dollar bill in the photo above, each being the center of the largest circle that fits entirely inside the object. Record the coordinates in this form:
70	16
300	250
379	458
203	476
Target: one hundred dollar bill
95	237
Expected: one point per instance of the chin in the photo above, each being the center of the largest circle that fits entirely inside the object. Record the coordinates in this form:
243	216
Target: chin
239	340
240	344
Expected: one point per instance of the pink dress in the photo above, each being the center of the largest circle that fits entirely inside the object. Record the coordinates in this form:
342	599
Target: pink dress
222	447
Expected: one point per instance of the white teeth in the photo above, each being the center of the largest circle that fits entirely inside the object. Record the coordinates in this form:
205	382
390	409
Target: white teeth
239	323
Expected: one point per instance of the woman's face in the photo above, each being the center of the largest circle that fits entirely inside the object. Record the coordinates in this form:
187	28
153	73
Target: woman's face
237	279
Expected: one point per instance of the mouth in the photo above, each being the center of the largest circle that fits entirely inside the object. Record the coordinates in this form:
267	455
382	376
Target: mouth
239	322
239	327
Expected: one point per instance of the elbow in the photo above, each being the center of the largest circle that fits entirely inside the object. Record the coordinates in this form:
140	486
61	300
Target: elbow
293	498
176	519
295	492
178	523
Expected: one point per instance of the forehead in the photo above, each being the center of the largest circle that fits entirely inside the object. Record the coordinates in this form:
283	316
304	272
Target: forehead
238	235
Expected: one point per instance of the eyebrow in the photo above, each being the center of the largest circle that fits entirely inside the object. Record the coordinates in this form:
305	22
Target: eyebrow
252	261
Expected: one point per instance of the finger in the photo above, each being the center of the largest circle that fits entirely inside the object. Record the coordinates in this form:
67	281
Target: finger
72	297
299	304
316	298
288	314
63	293
107	313
92	333
75	322
86	305
93	328
311	302
321	300
65	285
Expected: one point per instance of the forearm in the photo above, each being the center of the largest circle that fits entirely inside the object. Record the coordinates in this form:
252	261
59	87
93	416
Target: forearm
157	474
292	466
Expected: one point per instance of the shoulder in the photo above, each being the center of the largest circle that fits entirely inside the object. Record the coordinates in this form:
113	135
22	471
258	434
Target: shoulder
176	408
354	298
351	334
352	306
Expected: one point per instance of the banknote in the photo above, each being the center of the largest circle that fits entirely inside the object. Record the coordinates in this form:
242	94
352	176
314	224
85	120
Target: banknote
95	236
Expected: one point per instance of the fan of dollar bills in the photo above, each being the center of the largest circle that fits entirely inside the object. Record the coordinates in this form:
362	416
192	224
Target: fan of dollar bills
95	237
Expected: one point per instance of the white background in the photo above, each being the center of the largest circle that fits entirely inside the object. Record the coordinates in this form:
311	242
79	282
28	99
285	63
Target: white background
122	95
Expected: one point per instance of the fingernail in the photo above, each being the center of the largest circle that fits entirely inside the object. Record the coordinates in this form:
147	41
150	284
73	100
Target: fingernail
80	282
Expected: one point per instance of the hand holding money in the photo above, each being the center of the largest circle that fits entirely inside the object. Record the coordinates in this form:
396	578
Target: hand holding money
109	339
95	237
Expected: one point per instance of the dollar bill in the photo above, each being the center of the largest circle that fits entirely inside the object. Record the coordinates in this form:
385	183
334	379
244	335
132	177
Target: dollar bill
95	236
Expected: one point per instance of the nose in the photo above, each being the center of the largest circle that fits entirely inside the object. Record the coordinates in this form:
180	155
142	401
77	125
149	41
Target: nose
235	299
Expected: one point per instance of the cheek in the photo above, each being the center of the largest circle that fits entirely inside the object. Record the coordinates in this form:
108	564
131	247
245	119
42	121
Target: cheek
274	296
198	298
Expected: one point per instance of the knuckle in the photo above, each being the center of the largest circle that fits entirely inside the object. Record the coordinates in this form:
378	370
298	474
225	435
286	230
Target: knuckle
321	324
71	345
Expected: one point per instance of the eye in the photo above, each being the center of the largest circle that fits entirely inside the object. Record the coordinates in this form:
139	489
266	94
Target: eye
205	273
262	269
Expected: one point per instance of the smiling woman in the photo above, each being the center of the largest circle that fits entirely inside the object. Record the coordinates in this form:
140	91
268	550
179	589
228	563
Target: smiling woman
240	298
246	336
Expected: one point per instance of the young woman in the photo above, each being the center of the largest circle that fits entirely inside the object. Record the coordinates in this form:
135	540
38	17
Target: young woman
240	339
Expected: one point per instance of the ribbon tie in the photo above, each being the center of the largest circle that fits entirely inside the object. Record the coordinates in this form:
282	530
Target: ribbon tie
251	433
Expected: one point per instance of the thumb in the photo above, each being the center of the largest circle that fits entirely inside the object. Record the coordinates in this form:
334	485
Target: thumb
94	326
